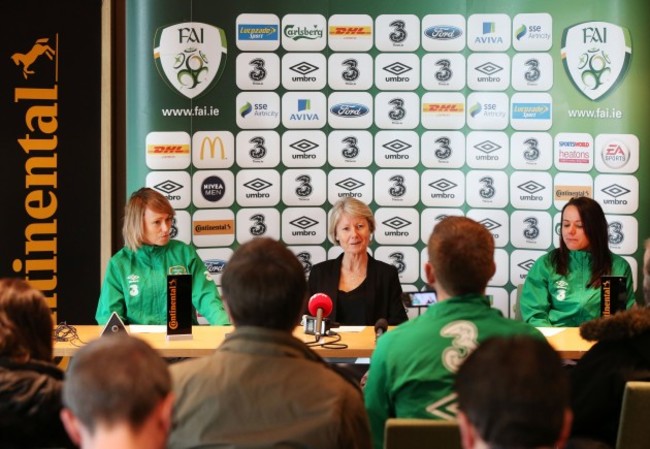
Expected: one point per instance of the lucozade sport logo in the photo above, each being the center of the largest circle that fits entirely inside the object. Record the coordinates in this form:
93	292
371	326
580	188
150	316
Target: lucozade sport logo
596	56
190	56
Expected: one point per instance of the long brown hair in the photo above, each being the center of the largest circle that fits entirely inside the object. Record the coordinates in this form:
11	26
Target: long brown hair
594	225
25	322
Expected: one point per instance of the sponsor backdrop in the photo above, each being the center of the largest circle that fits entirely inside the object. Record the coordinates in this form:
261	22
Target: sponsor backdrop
50	140
254	118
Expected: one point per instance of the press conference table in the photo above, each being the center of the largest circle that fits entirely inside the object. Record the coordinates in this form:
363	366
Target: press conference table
360	341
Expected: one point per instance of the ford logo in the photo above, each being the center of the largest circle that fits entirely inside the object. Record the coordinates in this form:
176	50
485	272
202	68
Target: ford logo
349	110
215	266
443	32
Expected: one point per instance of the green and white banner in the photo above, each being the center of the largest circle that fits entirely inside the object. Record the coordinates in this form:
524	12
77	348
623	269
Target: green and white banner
254	117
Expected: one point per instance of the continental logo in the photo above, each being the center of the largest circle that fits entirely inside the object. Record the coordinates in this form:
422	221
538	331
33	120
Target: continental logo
443	107
565	193
363	31
213	227
168	149
36	100
209	145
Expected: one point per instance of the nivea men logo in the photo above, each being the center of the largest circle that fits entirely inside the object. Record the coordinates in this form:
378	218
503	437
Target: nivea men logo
443	32
351	110
397	69
168	187
397	146
258	185
213	188
304	146
487	147
396	223
349	184
531	187
304	223
442	185
615	191
215	266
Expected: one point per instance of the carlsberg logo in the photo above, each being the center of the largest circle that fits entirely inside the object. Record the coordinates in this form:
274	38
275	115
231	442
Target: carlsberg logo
297	33
596	56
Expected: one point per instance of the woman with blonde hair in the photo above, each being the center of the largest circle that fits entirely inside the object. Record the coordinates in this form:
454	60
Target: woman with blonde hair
135	285
362	289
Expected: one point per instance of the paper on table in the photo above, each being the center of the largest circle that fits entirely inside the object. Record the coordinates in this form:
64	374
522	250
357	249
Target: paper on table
550	331
147	329
351	329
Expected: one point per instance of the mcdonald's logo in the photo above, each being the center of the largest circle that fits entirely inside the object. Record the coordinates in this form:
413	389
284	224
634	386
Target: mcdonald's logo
211	144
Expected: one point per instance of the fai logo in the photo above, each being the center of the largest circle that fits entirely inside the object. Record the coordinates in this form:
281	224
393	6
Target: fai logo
596	56
190	56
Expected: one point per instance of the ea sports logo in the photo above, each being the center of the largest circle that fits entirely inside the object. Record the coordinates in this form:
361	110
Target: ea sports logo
615	154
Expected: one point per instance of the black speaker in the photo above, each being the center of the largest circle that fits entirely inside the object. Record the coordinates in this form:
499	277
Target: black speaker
114	325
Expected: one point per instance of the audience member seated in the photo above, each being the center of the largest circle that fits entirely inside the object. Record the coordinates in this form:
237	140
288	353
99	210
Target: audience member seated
621	354
30	384
563	287
135	285
513	394
362	289
262	387
413	367
117	394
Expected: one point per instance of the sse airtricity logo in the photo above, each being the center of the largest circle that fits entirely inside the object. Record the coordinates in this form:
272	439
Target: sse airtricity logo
596	56
190	56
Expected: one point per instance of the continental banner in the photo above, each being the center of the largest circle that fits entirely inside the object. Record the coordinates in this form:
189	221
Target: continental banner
254	117
50	134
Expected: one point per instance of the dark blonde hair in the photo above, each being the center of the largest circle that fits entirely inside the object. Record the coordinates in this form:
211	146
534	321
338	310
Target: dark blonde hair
141	200
25	322
646	273
354	208
462	253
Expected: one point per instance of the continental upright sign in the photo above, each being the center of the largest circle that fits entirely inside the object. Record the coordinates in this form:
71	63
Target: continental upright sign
50	137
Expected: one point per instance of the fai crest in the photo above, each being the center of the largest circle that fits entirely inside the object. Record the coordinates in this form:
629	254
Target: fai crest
190	56
596	56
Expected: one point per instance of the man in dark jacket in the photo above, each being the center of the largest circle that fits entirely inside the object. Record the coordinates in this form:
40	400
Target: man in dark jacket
622	354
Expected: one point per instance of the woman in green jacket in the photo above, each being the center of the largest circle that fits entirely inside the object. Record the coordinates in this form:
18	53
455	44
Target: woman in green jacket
135	285
563	287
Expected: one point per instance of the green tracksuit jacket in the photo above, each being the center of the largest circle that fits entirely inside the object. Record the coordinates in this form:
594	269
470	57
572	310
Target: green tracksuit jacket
549	299
413	367
135	285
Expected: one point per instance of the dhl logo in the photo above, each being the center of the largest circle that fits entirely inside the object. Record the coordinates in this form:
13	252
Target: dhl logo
350	31
443	107
211	144
168	149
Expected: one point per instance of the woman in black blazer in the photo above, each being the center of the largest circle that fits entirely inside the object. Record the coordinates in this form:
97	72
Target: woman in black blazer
362	289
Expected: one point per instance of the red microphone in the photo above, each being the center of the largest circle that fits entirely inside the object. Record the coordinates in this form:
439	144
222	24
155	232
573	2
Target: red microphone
320	305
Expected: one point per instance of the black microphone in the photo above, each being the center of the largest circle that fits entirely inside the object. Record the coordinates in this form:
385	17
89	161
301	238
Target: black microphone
381	326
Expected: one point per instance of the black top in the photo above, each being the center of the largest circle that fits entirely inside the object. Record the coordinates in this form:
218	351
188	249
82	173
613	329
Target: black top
381	292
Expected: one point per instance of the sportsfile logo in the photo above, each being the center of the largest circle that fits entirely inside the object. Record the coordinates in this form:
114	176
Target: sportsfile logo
596	57
190	56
